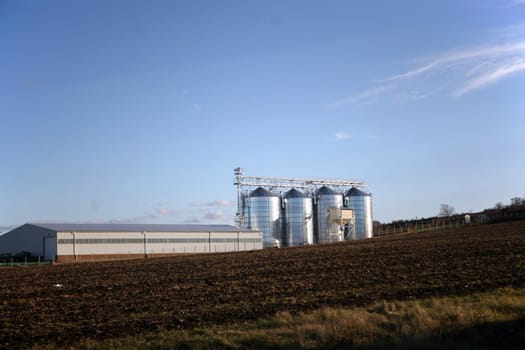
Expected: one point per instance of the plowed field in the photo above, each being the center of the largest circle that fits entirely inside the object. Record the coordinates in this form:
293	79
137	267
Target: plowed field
60	304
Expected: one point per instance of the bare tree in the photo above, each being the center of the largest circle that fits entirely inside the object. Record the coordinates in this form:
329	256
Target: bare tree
517	201
446	210
499	205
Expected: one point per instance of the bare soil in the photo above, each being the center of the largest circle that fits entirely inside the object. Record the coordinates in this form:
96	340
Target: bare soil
63	303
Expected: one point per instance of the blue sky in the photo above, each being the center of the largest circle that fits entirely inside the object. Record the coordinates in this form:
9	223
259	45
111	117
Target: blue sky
138	111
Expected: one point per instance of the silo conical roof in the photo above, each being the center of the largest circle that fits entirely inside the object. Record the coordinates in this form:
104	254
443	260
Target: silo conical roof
326	191
261	192
354	192
293	193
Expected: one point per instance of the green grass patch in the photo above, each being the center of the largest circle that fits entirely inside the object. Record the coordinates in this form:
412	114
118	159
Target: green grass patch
479	321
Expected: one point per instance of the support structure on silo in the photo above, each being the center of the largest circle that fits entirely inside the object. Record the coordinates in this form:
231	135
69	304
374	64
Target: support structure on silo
239	217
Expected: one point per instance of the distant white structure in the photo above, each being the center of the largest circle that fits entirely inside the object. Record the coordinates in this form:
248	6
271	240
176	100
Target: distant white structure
87	242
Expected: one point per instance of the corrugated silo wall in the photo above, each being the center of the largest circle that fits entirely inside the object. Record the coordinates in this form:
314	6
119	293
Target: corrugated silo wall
361	203
264	214
298	215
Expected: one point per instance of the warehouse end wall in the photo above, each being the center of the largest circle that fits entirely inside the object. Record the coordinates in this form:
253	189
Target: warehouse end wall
36	240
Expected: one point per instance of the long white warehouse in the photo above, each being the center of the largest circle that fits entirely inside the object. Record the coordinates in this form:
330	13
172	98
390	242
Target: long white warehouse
88	242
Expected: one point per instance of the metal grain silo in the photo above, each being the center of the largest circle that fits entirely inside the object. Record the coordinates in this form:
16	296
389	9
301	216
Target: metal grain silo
298	215
361	203
263	209
326	198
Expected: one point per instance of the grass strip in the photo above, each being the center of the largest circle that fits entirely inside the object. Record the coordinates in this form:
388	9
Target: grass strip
488	320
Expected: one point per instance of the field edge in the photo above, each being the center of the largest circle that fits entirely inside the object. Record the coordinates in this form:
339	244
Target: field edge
475	321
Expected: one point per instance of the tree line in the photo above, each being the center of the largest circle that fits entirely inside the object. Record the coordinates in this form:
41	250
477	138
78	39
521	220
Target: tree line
447	218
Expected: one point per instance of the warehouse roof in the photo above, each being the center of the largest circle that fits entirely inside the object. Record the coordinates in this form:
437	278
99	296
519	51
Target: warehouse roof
72	227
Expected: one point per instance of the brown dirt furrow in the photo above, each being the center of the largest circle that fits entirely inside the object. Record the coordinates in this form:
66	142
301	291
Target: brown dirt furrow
108	299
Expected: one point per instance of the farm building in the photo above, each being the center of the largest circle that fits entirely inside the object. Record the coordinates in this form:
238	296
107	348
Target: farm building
88	242
294	212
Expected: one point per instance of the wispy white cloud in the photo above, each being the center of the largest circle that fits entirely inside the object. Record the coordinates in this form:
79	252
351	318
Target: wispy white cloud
222	203
490	77
360	97
469	69
342	136
455	72
215	203
197	107
466	57
216	216
213	211
167	212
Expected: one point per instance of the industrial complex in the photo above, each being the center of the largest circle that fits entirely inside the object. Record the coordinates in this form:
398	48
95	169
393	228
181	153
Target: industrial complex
293	212
271	212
